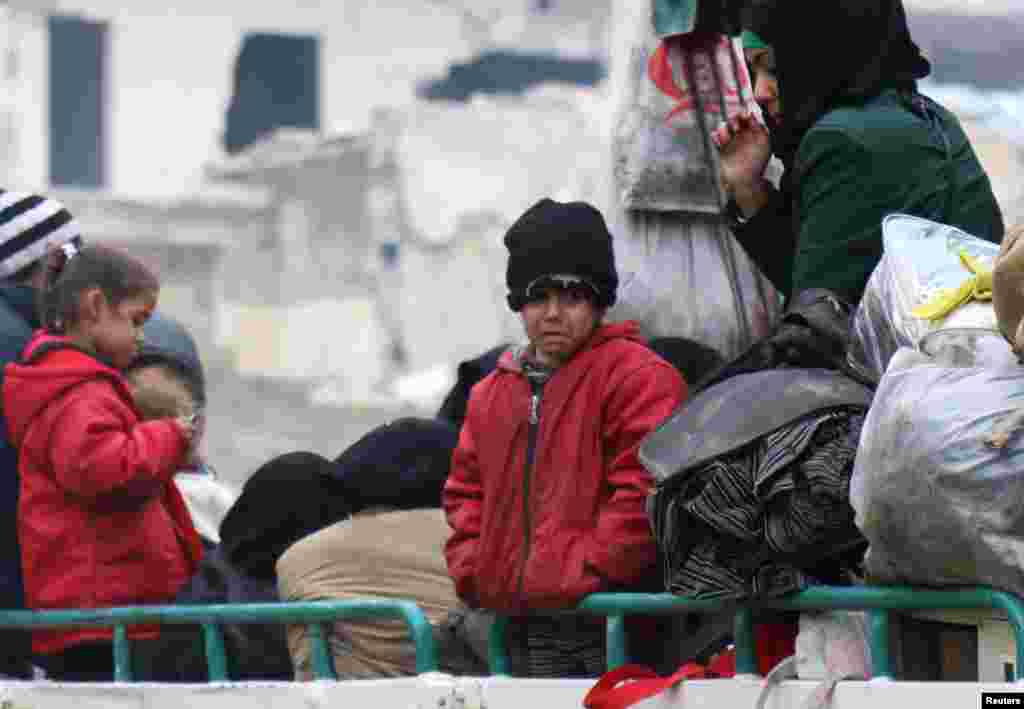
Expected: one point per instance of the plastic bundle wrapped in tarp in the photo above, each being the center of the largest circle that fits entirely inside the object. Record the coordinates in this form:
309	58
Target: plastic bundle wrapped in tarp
682	273
939	475
922	261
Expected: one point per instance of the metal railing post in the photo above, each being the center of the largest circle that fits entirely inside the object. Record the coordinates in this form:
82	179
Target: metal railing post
122	654
216	658
616	643
878	631
745	641
323	665
497	647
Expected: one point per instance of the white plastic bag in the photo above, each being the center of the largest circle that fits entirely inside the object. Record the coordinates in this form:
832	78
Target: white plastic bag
830	646
921	258
684	275
938	500
666	105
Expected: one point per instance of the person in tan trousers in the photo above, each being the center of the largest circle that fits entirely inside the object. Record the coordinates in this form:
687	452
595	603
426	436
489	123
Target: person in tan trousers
389	554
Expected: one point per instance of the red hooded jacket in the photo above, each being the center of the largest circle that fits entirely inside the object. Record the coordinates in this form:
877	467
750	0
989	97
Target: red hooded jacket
541	534
99	520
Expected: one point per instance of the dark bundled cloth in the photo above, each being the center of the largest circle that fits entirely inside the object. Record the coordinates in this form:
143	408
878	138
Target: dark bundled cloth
469	372
254	651
753	499
693	360
285	500
401	465
813	333
758	521
556	646
568	238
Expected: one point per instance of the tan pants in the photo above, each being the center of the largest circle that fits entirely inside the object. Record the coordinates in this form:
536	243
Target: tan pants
384	555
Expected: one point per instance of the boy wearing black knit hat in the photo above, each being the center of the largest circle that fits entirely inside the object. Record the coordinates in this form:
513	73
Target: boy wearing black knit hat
546	494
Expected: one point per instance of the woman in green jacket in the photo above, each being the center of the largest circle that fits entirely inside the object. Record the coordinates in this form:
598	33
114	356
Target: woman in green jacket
837	84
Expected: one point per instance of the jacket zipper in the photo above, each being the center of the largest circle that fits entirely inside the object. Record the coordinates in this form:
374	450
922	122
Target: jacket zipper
531	448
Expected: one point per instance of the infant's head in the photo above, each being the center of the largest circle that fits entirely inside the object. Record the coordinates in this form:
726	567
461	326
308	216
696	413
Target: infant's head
164	386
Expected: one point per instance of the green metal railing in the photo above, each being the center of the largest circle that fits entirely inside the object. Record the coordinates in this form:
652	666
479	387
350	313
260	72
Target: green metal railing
210	617
877	600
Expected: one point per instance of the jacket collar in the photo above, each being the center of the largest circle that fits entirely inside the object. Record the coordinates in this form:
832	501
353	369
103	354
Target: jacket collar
627	329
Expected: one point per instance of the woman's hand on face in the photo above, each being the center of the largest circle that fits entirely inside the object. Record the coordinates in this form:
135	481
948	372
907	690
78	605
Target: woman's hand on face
745	149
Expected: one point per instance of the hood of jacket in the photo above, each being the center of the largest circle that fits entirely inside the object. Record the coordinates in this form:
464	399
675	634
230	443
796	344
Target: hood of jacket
864	46
30	387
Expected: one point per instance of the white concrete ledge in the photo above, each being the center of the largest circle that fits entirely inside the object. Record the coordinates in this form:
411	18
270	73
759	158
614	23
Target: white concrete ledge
428	691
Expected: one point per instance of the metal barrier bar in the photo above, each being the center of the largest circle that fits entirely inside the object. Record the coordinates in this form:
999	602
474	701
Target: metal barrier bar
615	606
211	616
877	599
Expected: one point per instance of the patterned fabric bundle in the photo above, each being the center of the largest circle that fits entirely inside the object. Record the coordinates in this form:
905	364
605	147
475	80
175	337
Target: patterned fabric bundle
756	521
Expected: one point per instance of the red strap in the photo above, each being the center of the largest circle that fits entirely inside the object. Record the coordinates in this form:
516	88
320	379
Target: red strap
646	683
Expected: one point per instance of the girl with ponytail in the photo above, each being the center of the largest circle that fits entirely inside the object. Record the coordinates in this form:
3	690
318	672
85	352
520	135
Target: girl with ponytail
100	521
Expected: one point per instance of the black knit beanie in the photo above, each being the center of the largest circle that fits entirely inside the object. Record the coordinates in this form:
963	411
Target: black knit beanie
568	238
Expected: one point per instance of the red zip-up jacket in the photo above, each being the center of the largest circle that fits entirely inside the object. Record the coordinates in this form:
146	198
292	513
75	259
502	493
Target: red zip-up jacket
100	520
542	533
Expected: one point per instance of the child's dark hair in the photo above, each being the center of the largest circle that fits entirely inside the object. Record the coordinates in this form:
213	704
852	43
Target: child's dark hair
117	274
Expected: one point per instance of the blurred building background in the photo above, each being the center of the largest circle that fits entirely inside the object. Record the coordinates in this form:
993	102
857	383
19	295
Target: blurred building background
324	186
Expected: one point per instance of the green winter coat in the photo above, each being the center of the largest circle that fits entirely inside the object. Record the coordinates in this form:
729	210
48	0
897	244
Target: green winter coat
857	164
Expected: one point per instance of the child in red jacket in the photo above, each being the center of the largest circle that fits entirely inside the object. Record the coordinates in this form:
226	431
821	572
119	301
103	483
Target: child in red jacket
100	521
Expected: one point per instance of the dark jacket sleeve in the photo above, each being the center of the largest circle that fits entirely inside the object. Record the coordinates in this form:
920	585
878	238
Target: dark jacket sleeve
769	238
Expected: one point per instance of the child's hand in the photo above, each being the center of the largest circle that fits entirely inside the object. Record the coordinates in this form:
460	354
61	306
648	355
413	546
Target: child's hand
186	423
192	425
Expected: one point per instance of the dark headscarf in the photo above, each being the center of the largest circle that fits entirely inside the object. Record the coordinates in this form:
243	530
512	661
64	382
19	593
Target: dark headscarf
286	499
833	52
401	465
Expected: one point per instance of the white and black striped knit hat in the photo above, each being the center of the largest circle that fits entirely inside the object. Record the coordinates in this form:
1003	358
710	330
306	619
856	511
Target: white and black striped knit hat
29	225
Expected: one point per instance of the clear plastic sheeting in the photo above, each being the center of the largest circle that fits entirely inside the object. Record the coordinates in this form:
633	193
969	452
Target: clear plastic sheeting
967	347
684	275
921	259
937	498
